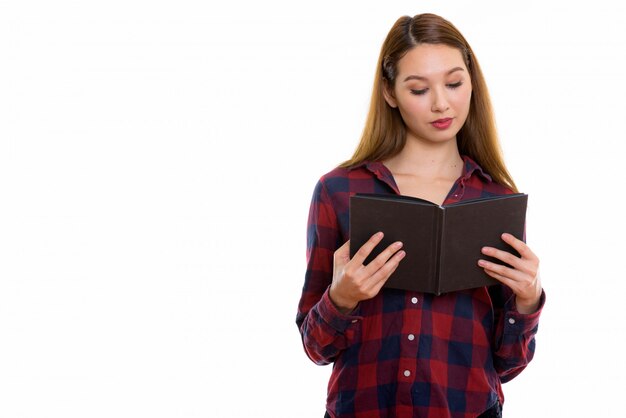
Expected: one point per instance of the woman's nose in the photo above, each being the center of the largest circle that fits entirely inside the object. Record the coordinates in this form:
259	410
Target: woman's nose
440	103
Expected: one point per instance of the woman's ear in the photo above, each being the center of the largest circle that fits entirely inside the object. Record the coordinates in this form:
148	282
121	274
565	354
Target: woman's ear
388	94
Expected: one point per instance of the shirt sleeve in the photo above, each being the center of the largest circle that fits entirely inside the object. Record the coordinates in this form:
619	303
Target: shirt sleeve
515	333
325	331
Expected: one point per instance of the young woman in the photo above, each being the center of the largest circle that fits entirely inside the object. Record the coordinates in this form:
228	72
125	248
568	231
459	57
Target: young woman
430	133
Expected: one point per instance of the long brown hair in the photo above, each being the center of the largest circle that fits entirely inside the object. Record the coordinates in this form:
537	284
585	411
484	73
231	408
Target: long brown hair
384	134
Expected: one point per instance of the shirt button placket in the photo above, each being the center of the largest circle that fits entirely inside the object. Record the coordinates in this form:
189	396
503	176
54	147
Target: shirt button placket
407	373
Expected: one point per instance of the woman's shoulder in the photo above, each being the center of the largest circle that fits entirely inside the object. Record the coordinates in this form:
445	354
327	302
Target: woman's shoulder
340	182
338	172
499	189
340	175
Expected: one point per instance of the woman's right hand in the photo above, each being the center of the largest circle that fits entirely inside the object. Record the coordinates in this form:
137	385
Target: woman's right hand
354	282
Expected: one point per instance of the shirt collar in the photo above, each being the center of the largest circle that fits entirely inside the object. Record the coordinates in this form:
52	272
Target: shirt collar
382	172
472	166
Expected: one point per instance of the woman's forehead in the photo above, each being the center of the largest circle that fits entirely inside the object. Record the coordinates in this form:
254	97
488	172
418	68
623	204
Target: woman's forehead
427	61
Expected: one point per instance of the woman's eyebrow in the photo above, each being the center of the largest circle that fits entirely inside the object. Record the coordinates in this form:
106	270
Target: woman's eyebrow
417	77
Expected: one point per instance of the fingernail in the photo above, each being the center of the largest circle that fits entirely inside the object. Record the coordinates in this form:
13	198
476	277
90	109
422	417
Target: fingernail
482	263
401	254
398	244
379	235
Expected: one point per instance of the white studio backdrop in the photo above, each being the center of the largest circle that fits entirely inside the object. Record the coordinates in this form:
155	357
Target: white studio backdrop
157	161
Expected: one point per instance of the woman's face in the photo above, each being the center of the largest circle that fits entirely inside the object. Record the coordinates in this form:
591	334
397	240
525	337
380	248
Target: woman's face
432	84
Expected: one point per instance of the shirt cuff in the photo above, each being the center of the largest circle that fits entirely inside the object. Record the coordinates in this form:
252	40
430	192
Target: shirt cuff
333	317
518	323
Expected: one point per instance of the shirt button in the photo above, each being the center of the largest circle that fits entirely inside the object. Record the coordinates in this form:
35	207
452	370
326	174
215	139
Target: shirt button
414	300
354	321
411	337
511	321
407	373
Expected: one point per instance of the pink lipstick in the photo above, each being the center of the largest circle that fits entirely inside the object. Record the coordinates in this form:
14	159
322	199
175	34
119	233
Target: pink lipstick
442	123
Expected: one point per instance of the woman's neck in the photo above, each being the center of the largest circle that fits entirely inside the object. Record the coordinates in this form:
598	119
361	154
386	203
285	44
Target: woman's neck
427	160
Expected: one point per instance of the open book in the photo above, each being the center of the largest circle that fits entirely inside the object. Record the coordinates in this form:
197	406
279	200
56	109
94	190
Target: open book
442	243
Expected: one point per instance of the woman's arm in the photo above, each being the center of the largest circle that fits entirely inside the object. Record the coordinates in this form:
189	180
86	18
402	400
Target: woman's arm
335	284
325	331
517	306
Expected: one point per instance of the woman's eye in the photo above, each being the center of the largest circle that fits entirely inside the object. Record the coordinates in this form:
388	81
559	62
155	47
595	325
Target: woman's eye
423	91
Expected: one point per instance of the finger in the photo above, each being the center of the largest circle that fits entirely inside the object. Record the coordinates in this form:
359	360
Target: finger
519	246
523	291
366	249
380	283
343	253
378	279
382	258
500	270
502	255
502	279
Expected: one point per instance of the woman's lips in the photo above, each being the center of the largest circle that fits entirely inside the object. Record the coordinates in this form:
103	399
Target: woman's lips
442	123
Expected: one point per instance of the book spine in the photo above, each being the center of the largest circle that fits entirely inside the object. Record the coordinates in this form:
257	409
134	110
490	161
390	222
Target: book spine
438	242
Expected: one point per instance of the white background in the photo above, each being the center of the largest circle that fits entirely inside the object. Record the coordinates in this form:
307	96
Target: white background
157	160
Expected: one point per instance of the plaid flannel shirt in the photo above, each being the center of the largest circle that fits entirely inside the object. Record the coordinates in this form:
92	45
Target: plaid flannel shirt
402	353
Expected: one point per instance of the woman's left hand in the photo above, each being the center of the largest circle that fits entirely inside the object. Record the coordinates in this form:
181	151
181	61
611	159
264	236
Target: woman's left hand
523	275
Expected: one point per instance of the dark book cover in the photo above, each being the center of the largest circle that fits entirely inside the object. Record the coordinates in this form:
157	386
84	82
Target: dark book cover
442	243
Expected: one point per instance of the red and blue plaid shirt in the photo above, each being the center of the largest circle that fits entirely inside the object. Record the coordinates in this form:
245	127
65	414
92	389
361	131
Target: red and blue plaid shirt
402	353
